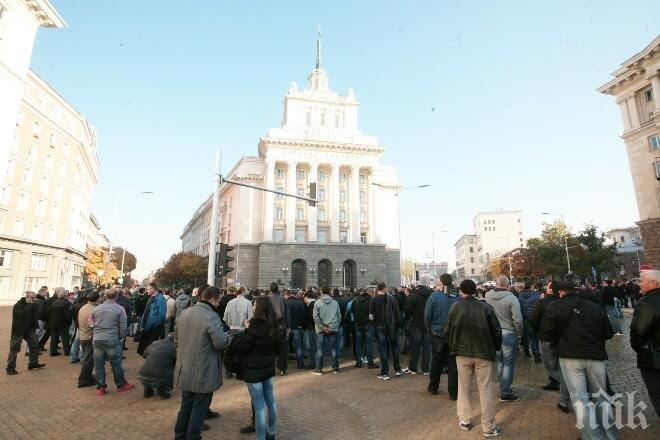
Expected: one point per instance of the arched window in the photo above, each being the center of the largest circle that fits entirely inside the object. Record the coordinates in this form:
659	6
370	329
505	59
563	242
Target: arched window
350	274
325	273
298	274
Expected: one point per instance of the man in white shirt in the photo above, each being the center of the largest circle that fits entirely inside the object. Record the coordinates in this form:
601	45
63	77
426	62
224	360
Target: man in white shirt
237	312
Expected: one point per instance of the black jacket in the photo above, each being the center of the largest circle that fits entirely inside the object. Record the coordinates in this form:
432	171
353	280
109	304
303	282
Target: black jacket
141	304
540	310
645	331
608	296
223	304
415	305
260	362
159	361
310	316
473	329
76	308
361	310
386	312
24	318
577	327
40	307
59	314
343	304
296	313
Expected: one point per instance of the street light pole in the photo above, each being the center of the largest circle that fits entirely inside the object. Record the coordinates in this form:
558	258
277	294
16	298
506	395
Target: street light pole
215	217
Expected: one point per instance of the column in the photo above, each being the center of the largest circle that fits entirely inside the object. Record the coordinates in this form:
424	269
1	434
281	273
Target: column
291	202
354	204
623	107
333	205
269	183
635	121
312	225
655	85
373	238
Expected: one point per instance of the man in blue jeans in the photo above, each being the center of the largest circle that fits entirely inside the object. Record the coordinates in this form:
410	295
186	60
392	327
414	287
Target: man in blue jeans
108	327
507	309
326	320
580	329
385	316
364	331
296	320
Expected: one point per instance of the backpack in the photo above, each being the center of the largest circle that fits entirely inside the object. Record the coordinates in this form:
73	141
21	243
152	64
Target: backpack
235	355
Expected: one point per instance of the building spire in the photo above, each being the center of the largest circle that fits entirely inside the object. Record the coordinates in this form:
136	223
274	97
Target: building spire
318	47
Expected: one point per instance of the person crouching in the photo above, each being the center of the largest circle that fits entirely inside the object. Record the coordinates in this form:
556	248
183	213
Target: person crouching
158	368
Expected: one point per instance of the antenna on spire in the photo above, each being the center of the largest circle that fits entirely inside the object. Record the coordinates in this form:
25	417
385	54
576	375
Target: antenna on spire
318	47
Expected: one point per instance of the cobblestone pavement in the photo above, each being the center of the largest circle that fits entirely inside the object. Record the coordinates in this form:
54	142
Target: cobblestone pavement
46	404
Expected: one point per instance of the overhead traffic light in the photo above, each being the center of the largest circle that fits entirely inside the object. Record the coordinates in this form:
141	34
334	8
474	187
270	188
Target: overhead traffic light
222	260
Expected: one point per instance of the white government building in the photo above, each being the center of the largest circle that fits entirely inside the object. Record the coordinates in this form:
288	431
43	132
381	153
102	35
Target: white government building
351	238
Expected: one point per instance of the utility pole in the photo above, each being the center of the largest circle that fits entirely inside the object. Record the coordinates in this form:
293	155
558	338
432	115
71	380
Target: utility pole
215	217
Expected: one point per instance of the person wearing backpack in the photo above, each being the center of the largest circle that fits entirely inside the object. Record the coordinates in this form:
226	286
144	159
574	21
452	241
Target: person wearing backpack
259	367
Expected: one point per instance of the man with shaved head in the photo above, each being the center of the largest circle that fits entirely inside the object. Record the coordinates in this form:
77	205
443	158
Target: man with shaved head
645	334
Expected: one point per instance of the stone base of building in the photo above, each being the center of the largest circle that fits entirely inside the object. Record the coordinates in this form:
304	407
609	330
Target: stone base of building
650	232
296	265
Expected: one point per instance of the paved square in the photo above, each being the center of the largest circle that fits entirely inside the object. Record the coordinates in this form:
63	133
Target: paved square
46	404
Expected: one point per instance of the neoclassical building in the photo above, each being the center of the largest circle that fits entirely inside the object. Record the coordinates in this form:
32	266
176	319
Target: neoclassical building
350	238
636	86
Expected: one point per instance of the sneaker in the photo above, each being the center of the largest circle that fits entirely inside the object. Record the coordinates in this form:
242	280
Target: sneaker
510	398
406	371
335	370
248	429
317	372
465	426
36	366
126	387
383	377
563	408
100	391
86	384
494	433
282	373
413	373
364	360
398	373
12	372
551	387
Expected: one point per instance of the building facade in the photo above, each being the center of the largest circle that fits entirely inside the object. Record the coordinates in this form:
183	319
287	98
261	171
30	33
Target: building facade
629	251
350	238
497	233
636	86
467	258
19	21
46	200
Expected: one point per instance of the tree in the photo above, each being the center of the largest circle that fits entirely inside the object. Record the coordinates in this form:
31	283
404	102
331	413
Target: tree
592	252
524	264
183	268
130	261
97	268
495	267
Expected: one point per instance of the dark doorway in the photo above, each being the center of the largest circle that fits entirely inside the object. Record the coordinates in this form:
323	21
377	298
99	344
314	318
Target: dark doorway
298	274
325	273
350	274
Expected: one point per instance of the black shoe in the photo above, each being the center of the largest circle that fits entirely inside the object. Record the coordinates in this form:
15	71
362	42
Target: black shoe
86	384
212	415
148	392
537	359
55	354
248	429
36	366
432	391
509	398
205	427
371	367
270	436
75	361
528	354
563	408
551	387
164	395
358	365
42	349
12	372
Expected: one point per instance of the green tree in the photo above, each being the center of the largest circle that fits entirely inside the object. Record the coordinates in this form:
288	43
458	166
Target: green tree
524	263
591	251
183	268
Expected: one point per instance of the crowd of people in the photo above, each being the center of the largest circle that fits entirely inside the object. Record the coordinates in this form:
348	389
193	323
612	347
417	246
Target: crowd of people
470	333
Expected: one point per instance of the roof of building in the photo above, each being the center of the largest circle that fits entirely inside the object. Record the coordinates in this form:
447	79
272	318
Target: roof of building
631	67
45	13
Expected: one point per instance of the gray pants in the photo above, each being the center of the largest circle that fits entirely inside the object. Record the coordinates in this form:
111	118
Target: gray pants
15	347
551	363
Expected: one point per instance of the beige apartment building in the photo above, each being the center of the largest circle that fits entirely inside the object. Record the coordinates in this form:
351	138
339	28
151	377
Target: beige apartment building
636	86
46	200
467	258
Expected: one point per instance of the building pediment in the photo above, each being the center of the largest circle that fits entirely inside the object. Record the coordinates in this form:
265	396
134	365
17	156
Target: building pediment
316	147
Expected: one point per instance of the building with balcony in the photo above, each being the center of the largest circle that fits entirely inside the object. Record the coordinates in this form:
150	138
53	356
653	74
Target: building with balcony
636	86
46	200
350	238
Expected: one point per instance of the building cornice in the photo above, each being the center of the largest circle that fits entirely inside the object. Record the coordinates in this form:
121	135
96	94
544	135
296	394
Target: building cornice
318	145
631	68
66	249
45	14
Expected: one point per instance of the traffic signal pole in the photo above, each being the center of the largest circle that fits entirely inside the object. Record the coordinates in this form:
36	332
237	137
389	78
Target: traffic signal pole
215	217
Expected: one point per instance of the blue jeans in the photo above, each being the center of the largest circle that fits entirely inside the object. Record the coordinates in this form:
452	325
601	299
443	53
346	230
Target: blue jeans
585	380
387	344
339	340
310	345
551	364
112	351
364	337
74	354
613	313
530	339
329	341
297	334
420	339
506	361
265	407
193	411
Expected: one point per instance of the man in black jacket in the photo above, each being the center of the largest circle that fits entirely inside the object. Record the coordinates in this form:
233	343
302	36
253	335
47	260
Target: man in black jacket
24	326
548	350
384	314
579	328
645	334
59	321
296	322
420	338
474	336
364	331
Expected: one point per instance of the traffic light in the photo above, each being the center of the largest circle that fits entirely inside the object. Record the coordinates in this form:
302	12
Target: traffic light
312	193
222	260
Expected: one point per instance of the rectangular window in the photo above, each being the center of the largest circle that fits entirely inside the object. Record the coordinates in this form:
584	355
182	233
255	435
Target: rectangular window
300	235
27	177
280	173
300	214
38	262
321	195
36	129
301	192
342	216
323	236
362	178
32	284
4	197
55	212
471	249
648	95
52	234
4	282
623	239
36	231
301	174
23	198
654	142
363	197
19	225
342	177
337	120
321	176
322	118
342	196
343	236
308	119
322	215
278	235
472	271
363	237
471	259
280	189
5	257
363	217
279	213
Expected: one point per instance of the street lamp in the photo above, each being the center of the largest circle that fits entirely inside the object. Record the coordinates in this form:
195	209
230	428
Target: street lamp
568	257
398	210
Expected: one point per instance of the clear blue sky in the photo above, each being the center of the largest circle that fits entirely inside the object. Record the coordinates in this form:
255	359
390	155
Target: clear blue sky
492	103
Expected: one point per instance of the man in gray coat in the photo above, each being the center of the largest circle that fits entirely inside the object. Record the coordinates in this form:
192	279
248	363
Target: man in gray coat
198	371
